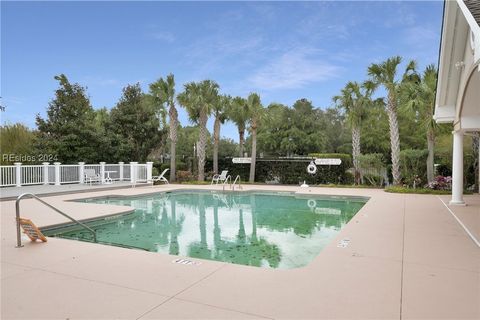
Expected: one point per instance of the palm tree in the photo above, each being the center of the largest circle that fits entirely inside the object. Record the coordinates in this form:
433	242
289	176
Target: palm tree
164	89
238	114
220	112
199	98
419	97
256	113
385	74
354	99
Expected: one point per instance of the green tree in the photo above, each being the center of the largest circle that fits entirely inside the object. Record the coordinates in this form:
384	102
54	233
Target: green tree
198	98
419	97
16	140
354	100
164	90
135	123
384	74
238	114
220	108
256	112
69	129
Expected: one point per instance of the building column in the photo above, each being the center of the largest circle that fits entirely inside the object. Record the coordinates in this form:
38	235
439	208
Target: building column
457	169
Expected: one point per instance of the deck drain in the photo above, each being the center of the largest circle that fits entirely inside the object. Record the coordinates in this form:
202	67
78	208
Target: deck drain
343	243
186	262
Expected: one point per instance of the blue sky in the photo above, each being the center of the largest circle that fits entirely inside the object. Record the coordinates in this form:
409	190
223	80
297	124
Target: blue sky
283	50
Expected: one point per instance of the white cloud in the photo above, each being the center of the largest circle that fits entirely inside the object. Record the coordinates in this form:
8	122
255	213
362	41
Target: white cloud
164	36
293	69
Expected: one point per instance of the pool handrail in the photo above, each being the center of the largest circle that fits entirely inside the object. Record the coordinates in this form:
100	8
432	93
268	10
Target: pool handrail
226	180
17	212
239	182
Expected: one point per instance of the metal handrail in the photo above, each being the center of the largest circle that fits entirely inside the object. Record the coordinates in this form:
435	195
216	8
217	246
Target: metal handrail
224	182
239	182
17	211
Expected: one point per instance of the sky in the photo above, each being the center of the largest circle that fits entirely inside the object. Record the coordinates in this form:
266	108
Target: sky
284	51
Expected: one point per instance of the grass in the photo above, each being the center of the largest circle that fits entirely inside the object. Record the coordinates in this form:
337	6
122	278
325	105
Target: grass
416	191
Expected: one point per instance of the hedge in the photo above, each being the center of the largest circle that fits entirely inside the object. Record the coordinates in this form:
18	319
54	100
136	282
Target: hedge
290	171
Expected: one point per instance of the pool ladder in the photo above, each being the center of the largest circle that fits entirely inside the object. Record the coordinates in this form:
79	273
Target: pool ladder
232	185
17	212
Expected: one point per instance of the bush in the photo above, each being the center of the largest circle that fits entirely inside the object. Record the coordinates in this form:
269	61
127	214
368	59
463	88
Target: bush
183	176
290	171
414	165
440	183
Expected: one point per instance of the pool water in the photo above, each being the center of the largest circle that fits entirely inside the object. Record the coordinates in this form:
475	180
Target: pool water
272	230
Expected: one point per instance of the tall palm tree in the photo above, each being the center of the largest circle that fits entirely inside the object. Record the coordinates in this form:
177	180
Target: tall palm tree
238	114
354	99
419	97
256	113
384	74
220	113
199	98
164	89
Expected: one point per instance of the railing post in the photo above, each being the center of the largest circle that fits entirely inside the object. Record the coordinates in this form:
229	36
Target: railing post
57	173
18	174
102	171
45	172
120	170
149	171
81	172
133	172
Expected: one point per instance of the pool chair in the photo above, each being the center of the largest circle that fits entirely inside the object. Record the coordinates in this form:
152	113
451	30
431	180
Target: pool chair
219	177
91	176
161	177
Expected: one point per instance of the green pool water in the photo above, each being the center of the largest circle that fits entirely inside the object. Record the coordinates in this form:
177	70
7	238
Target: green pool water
272	230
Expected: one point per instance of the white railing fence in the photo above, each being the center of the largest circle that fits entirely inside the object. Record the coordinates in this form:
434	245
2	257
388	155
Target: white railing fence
22	175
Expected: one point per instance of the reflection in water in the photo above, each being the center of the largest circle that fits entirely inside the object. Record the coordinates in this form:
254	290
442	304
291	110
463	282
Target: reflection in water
269	230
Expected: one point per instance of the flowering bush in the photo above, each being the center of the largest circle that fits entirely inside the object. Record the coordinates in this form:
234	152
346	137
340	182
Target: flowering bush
440	183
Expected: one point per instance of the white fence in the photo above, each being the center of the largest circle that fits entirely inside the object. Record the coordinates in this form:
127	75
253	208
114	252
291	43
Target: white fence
22	175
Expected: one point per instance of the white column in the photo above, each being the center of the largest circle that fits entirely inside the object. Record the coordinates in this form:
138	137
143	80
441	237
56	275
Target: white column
45	172
57	173
102	171
457	169
149	171
120	170
18	174
81	172
133	172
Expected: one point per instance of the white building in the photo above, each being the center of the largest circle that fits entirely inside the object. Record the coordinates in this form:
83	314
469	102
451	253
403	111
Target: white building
458	87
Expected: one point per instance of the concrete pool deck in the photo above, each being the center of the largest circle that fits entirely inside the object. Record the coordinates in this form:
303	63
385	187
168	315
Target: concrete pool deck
408	258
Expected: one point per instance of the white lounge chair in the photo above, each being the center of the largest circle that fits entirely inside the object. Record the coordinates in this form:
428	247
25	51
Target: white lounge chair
219	177
161	177
91	176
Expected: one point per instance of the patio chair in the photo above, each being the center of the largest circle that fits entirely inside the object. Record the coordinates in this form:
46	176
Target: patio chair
91	176
219	177
161	177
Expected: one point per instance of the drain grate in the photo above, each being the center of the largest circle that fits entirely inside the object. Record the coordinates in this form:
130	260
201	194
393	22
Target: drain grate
186	262
343	243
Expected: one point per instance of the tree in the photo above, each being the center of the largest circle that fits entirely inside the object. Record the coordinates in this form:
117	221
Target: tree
135	123
384	74
220	108
256	112
164	90
355	99
69	131
419	97
238	114
16	140
198	98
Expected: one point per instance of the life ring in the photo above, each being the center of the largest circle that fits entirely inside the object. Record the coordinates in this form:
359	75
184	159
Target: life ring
311	203
312	168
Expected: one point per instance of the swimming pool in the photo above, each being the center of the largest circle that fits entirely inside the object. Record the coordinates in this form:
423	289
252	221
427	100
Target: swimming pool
264	229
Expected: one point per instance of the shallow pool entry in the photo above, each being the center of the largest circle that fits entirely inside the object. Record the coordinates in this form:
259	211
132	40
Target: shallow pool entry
261	229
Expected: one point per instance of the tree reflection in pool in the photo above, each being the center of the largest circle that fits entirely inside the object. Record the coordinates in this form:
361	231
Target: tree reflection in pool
262	229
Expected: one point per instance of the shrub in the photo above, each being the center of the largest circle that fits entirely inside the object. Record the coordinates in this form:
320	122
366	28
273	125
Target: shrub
440	183
414	165
183	176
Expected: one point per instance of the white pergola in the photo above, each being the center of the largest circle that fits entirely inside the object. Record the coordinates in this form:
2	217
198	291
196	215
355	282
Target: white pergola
458	87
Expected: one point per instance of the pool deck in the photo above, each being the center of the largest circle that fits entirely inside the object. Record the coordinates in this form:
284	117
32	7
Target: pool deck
408	258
